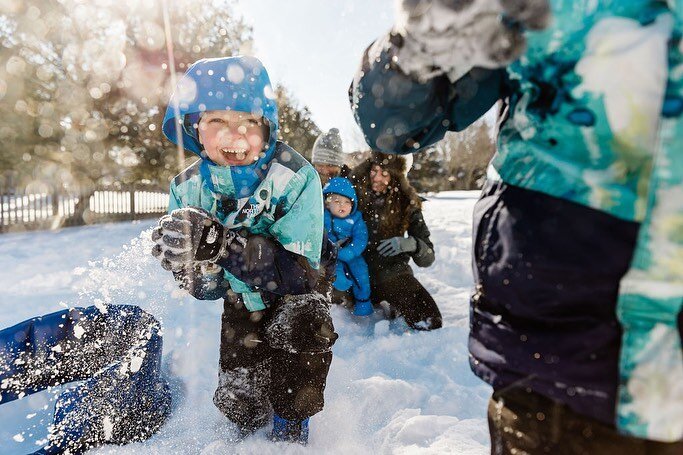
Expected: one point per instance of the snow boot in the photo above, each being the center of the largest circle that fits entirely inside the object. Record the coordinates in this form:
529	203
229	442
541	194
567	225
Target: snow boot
362	308
290	430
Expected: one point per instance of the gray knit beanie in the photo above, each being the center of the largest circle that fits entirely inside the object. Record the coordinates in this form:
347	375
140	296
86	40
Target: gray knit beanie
327	149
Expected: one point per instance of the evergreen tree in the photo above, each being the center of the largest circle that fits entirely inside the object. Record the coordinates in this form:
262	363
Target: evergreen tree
429	171
470	152
297	129
458	162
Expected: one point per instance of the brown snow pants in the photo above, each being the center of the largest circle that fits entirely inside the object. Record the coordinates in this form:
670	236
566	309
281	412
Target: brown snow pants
524	422
409	299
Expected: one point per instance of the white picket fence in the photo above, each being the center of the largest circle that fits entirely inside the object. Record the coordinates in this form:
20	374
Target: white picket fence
44	210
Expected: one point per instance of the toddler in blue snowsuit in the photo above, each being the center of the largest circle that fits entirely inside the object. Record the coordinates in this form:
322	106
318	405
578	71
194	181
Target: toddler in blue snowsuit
345	227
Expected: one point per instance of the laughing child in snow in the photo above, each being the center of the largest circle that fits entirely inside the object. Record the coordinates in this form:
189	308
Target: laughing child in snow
345	226
245	224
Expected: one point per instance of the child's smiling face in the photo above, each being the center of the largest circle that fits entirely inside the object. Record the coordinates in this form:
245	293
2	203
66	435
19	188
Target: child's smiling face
232	138
338	205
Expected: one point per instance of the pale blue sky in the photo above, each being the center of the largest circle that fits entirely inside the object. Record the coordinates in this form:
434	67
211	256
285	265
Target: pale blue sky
314	48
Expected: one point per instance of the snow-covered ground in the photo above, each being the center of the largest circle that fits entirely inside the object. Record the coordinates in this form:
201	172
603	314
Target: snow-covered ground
390	390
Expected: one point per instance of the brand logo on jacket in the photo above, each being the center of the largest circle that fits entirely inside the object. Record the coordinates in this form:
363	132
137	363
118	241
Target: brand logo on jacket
249	210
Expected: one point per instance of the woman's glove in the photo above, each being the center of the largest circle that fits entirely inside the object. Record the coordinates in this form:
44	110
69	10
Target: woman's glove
190	236
397	245
435	37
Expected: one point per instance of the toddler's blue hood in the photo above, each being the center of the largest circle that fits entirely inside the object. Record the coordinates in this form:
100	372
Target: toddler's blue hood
231	83
341	185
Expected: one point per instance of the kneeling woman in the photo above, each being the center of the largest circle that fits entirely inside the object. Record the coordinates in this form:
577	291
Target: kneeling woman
390	208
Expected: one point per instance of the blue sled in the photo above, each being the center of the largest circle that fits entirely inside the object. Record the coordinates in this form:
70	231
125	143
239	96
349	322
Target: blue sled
116	354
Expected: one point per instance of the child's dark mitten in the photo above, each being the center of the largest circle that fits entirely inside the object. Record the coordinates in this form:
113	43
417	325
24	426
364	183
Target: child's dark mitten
190	235
204	282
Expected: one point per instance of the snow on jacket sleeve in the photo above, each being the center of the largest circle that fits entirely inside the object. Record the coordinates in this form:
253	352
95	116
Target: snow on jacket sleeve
400	115
359	240
424	255
650	399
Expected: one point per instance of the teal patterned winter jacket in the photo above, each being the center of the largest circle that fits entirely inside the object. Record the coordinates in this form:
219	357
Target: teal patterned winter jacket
593	115
279	196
